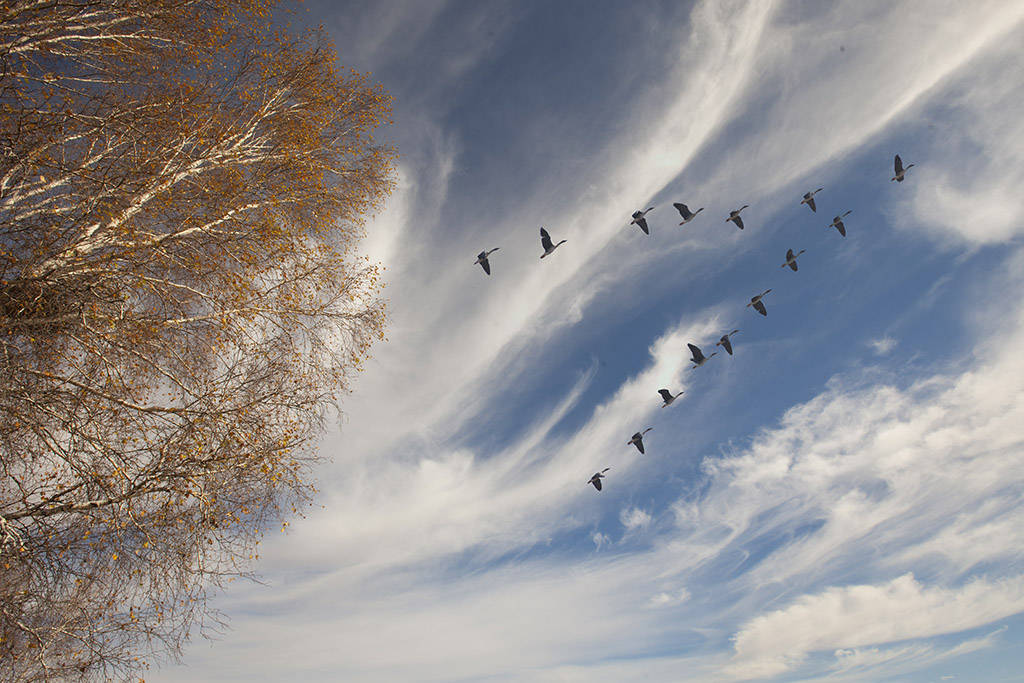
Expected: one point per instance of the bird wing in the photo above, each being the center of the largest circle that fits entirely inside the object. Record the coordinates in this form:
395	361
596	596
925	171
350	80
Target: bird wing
696	353
545	239
898	164
596	482
642	222
759	307
841	228
726	344
665	394
486	265
792	264
810	203
683	210
738	221
789	254
639	443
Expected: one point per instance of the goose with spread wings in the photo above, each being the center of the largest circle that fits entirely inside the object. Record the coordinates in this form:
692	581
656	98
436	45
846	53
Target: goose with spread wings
667	397
640	221
758	305
545	242
837	223
734	216
598	476
685	213
809	199
638	440
697	356
725	343
901	172
482	259
791	258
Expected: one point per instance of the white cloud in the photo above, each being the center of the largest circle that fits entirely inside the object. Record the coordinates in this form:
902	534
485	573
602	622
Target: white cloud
670	598
859	664
883	346
634	518
968	187
854	616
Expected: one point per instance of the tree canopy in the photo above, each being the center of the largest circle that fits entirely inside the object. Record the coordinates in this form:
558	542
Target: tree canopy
183	185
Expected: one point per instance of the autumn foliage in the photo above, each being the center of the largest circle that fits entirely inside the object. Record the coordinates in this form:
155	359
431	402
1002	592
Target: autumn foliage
182	186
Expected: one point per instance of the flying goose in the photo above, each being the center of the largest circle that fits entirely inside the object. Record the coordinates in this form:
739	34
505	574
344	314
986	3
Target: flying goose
734	216
667	397
791	258
837	223
809	199
638	439
638	219
725	343
685	212
697	356
545	241
596	479
758	304
900	171
482	259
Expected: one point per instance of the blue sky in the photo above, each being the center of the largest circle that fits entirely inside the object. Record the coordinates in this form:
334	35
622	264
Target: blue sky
841	499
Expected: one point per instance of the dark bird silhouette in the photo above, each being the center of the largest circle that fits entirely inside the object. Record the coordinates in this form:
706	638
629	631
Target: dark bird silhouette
638	439
482	259
697	356
791	258
725	343
758	304
837	223
809	199
900	171
545	241
734	216
685	212
598	476
667	397
638	219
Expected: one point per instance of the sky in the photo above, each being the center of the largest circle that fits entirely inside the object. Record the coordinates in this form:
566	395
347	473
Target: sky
841	499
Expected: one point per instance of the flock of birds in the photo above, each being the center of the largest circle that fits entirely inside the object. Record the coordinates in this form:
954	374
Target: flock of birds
697	356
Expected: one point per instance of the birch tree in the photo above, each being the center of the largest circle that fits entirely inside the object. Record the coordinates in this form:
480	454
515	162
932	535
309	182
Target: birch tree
182	192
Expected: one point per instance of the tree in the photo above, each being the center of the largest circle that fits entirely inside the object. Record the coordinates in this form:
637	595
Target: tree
182	186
